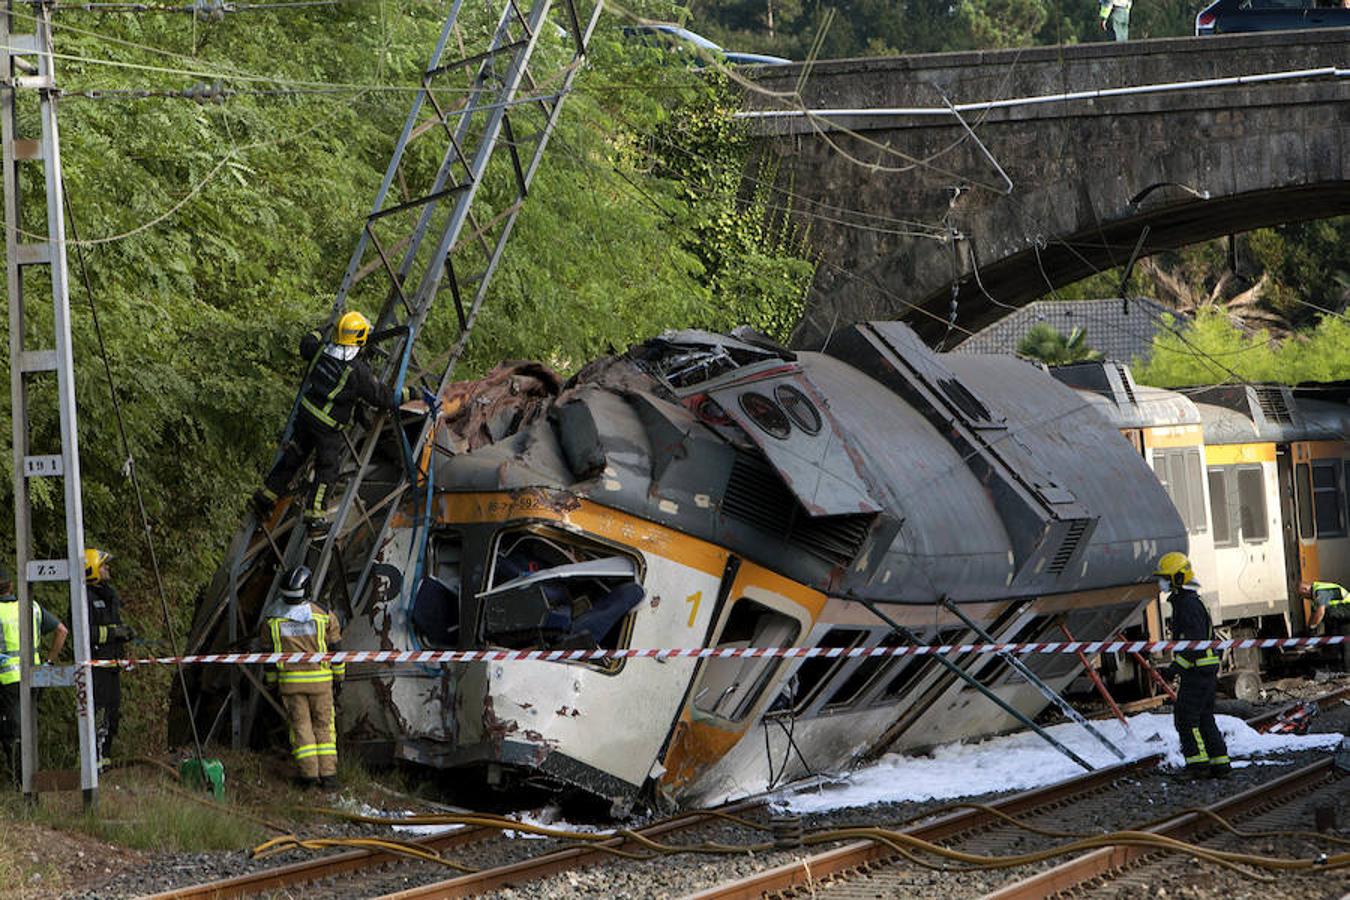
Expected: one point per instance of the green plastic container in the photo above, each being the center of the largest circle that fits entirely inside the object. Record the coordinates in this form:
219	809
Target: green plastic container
205	775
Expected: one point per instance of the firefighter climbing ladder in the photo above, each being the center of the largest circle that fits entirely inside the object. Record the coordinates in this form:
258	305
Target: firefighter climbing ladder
28	75
482	106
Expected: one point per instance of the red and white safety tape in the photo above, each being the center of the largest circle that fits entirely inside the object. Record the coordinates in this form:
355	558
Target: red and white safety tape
459	656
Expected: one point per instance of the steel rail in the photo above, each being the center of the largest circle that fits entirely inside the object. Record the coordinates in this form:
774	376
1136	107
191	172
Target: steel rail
1097	863
569	859
316	869
822	865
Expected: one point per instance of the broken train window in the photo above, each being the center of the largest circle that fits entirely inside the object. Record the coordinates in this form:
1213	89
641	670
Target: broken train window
556	590
730	687
435	607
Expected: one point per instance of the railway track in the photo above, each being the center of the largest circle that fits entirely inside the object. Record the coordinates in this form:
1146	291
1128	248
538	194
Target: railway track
354	865
871	869
1268	806
974	830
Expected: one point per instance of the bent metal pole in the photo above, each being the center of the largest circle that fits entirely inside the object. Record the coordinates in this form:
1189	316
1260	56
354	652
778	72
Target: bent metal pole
1048	692
971	680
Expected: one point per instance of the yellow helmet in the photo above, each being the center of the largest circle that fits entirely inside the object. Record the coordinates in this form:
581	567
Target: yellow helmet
95	565
1176	568
352	330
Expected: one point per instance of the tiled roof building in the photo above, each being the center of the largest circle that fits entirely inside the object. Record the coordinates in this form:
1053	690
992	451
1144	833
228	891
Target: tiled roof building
1120	331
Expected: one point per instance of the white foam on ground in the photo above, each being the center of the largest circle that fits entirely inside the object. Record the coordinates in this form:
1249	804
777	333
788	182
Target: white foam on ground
1022	761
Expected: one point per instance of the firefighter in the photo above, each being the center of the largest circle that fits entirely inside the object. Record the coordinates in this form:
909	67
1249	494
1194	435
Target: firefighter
337	379
306	688
1202	743
108	637
43	623
1331	607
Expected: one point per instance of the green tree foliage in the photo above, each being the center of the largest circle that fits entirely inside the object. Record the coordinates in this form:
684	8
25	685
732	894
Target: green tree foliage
1213	350
219	233
1048	344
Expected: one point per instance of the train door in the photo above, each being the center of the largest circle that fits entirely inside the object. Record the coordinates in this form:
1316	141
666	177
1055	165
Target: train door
1288	517
1295	508
762	609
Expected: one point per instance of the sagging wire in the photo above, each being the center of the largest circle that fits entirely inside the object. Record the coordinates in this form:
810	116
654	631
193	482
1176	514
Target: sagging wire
205	10
196	189
819	124
129	470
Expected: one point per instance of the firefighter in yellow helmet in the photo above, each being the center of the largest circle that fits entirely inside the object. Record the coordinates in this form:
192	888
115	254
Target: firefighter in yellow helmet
1202	743
108	637
338	378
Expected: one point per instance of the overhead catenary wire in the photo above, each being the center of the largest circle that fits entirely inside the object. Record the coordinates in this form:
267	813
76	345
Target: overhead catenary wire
129	468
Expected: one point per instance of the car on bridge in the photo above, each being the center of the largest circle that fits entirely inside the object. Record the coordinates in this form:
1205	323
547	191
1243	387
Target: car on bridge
668	36
1239	16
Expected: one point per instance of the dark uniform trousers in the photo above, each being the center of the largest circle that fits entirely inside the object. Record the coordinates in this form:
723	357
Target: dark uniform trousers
1193	715
1202	743
308	437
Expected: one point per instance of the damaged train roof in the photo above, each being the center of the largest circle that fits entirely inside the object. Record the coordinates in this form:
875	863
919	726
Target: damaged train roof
863	471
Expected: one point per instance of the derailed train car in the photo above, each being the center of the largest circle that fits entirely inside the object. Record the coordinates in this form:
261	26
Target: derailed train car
704	490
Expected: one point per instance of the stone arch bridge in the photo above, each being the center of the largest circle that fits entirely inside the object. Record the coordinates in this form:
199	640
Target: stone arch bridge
903	206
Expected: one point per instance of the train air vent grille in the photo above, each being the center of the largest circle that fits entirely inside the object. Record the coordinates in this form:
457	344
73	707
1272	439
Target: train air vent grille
1125	383
757	496
1068	546
1273	407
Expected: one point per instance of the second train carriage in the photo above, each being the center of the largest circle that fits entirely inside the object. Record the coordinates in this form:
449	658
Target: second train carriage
703	490
1258	474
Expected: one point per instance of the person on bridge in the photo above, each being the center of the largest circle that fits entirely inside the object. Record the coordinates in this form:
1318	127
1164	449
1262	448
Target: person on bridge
337	379
1331	609
1202	743
1117	14
43	623
306	688
108	637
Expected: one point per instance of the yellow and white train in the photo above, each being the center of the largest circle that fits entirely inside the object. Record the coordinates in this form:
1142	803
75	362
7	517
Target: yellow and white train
1258	474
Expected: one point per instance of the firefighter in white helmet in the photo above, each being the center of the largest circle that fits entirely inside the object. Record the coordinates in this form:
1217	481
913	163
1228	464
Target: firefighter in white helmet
306	689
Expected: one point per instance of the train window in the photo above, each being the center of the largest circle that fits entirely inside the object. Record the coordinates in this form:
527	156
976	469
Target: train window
435	606
550	589
1220	510
1328	506
816	670
1181	475
1252	503
863	676
730	687
908	670
1303	486
765	413
799	409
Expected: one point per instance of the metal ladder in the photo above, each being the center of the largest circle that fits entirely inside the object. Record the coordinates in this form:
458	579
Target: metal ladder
36	351
439	233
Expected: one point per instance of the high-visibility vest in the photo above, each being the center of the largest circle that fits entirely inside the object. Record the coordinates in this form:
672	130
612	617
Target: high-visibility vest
290	636
9	625
1341	594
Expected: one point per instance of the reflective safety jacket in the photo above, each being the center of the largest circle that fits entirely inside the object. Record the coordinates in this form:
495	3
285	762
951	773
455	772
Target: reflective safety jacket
1190	622
9	624
1105	6
106	639
304	628
1331	595
334	385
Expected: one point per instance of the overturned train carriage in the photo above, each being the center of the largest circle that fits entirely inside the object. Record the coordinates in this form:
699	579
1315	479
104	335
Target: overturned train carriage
704	490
